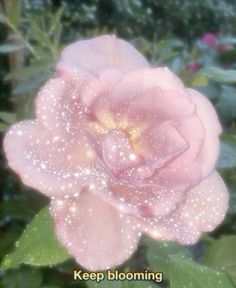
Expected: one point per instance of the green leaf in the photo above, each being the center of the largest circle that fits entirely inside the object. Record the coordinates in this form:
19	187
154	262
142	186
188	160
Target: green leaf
222	254
4	20
25	277
177	265
104	284
218	74
158	253
187	273
24	73
8	118
30	84
3	127
167	56
226	103
229	176
38	245
56	20
228	152
14	12
139	284
9	48
227	40
199	80
39	34
121	284
227	57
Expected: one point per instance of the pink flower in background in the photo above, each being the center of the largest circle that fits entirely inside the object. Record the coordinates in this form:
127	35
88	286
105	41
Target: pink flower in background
121	149
210	39
223	47
193	67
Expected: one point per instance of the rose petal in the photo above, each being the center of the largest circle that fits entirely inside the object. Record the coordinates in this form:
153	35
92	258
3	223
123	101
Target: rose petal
47	101
49	163
178	178
95	233
210	148
140	81
102	53
141	102
62	105
161	104
206	203
184	171
117	152
110	76
128	95
171	228
204	208
130	187
193	132
160	144
145	200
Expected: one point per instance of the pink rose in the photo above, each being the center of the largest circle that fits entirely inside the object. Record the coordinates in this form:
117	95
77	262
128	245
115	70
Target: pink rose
121	148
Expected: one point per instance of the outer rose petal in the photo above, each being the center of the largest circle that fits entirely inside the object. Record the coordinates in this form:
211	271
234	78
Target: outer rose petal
62	103
22	157
206	203
102	52
140	81
143	200
33	153
204	208
210	149
164	104
95	233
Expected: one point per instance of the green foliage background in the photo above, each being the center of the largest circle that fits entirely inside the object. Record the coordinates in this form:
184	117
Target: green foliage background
168	32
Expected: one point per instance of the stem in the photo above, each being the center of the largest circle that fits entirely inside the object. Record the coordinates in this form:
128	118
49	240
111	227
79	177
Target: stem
16	58
17	34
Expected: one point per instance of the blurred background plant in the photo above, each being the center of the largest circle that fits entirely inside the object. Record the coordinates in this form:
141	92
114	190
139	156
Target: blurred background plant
195	39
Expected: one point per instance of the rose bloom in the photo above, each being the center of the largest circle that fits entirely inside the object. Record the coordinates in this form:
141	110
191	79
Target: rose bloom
121	149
